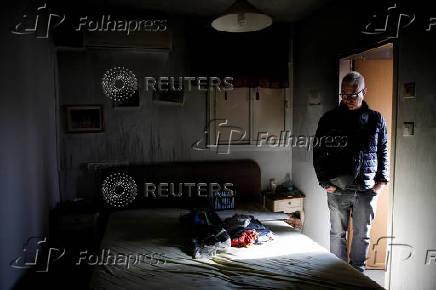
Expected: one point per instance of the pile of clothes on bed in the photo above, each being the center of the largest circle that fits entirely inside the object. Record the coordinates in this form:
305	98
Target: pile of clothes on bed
245	230
210	235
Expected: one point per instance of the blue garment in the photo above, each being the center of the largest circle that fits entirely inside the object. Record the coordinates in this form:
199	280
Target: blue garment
363	205
208	235
201	217
358	148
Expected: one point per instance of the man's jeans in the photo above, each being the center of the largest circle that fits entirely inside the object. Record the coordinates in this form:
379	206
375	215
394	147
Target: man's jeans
363	206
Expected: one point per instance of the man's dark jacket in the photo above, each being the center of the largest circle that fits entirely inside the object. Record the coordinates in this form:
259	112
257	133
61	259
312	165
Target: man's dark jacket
359	147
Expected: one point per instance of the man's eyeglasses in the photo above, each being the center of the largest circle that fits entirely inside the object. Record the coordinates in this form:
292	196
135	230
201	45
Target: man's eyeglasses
351	96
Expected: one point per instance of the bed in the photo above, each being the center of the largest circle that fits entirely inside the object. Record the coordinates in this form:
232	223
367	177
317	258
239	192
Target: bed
161	255
291	261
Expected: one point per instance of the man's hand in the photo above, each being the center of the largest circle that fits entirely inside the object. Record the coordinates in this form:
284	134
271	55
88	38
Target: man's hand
331	189
378	187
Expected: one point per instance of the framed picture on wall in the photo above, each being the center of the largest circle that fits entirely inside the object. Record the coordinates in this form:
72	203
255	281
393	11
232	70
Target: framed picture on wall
409	90
84	119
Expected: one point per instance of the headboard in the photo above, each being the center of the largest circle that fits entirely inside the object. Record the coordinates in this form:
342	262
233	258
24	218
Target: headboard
245	176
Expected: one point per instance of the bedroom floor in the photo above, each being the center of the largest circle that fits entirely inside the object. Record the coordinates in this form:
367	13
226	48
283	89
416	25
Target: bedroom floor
377	276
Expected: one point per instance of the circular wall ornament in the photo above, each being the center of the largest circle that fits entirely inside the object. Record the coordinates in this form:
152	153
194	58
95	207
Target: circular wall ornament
119	189
119	84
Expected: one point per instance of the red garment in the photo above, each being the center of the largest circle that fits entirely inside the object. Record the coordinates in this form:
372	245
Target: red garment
245	240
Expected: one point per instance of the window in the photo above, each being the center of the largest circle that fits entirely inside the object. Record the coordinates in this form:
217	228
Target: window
246	115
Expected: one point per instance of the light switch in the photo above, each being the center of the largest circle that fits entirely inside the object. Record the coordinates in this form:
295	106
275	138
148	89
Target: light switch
409	129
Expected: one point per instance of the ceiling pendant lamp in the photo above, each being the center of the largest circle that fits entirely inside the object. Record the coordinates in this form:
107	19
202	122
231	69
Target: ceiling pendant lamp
242	17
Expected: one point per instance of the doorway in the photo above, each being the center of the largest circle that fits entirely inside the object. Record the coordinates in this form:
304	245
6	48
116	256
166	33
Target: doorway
377	67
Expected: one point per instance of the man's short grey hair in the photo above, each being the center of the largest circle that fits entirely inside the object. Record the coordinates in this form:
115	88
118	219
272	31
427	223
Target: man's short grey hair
355	79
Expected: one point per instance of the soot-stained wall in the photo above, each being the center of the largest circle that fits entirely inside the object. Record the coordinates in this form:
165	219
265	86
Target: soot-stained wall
28	167
321	40
153	132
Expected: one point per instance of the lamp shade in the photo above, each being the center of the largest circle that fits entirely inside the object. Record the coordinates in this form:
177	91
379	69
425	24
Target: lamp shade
242	17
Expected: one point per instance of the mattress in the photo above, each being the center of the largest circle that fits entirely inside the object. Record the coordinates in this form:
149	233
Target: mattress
149	249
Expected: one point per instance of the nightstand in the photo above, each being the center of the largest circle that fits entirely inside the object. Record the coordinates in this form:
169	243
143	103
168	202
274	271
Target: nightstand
287	202
75	227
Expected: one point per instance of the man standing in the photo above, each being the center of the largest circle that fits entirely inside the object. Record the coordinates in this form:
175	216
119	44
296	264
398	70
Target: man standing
353	175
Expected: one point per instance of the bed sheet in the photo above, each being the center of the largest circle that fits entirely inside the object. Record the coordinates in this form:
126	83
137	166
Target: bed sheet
158	254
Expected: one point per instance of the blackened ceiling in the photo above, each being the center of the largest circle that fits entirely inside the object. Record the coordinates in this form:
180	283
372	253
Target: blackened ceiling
280	10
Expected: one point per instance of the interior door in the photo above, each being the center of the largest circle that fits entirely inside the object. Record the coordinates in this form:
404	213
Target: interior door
378	75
